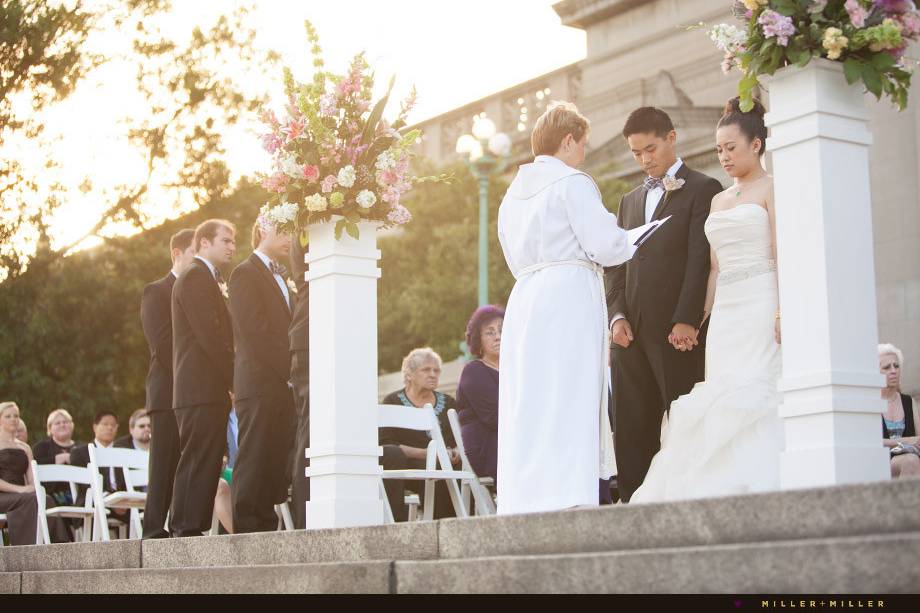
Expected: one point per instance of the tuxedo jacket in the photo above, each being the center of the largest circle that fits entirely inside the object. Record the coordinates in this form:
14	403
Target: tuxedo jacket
80	457
156	319
665	281
261	319
299	332
202	340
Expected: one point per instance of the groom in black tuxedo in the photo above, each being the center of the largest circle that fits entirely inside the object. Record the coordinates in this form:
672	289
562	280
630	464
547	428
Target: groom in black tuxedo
156	319
655	300
261	304
299	335
203	376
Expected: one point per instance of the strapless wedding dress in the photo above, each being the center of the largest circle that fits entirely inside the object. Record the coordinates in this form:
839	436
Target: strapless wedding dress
725	437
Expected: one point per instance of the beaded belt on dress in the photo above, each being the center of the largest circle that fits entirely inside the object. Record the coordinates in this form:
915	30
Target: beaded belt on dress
746	271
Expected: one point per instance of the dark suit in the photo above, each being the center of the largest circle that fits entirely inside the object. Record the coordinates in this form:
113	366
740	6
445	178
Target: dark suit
80	457
300	378
663	284
203	379
156	319
264	405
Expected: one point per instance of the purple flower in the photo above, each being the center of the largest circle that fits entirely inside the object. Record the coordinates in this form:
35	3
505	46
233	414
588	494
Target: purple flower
776	25
857	13
893	7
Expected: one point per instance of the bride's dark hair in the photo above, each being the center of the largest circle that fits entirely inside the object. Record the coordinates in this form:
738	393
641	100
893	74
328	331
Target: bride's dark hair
751	123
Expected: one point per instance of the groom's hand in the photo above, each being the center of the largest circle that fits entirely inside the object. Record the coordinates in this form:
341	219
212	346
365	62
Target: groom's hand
683	337
621	333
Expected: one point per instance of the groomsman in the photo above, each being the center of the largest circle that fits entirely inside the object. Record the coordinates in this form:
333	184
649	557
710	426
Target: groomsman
300	379
203	375
156	319
261	304
656	299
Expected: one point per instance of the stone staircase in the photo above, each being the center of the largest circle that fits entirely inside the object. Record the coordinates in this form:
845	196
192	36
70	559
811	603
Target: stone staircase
852	539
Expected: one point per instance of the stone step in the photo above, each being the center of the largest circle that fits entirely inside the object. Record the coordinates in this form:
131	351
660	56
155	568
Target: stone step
851	565
852	510
343	577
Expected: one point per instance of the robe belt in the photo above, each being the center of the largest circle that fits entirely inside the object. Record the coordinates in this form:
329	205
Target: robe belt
606	435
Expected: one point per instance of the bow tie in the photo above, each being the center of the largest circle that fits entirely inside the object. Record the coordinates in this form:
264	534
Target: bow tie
277	269
217	276
653	183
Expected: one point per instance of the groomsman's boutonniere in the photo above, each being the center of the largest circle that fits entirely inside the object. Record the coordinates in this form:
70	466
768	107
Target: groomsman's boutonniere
292	287
671	184
222	286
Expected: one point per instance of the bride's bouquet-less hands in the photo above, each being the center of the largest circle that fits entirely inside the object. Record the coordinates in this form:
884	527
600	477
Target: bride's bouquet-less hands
869	37
334	154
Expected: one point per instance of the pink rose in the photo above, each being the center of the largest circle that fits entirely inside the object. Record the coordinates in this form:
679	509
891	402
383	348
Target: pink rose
311	173
276	183
328	184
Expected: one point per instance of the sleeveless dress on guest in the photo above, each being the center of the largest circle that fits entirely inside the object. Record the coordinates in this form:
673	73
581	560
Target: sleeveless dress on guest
725	437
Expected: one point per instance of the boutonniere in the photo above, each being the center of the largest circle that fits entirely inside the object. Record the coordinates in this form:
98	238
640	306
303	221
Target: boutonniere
672	184
224	291
292	287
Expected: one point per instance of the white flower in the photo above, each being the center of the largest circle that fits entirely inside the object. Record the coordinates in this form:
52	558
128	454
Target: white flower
292	287
347	176
315	203
290	167
222	286
385	161
727	37
278	215
366	199
672	184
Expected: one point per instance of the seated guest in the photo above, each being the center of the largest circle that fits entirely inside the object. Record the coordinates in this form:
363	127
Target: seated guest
105	428
899	421
404	448
22	432
477	392
56	450
17	492
138	436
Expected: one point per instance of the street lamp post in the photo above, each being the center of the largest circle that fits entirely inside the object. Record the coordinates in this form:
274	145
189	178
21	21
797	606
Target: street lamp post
485	150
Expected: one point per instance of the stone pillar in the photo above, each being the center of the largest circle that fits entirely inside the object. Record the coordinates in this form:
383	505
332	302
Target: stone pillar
344	455
830	383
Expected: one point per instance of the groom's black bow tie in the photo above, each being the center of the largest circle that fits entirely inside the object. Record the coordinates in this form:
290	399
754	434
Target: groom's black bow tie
653	183
277	269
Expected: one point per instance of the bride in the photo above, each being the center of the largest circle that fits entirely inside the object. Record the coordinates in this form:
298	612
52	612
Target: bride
725	437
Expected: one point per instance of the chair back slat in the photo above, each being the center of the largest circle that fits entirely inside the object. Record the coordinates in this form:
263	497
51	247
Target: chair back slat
399	416
106	457
49	473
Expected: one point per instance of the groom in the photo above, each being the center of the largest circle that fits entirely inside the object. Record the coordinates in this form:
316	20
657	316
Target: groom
656	299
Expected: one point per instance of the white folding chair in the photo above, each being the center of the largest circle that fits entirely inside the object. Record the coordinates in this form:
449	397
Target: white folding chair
285	520
399	416
74	476
133	464
477	485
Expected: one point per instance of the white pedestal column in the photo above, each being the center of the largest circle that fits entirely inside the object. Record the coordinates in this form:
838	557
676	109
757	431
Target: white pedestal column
344	455
830	383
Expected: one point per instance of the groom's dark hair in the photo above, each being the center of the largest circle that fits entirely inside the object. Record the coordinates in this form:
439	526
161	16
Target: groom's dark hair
648	120
182	239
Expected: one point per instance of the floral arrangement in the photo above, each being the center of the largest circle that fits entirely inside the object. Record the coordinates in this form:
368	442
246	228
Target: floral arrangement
334	154
868	36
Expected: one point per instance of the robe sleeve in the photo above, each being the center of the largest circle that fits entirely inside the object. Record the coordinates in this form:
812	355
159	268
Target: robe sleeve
596	229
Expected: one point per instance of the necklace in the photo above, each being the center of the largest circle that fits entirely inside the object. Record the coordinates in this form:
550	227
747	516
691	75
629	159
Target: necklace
741	186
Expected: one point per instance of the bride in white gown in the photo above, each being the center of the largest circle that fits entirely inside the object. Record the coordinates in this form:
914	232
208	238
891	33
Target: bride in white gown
725	437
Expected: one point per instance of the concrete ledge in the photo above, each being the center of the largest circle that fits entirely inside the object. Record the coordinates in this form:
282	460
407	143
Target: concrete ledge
352	578
875	508
860	565
10	583
415	541
71	556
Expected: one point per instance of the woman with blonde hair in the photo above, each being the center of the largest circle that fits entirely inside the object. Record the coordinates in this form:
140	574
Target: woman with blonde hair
554	440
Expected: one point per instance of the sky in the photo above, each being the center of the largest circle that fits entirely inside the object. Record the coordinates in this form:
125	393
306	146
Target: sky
454	52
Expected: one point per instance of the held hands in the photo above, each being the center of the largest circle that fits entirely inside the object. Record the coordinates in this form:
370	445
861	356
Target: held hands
777	335
454	456
621	333
683	337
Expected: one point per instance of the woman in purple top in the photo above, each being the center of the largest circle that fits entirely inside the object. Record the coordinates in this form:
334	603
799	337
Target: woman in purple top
477	392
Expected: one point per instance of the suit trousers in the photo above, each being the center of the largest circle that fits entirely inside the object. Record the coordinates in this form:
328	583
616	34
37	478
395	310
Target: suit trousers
164	457
300	484
647	376
262	472
202	441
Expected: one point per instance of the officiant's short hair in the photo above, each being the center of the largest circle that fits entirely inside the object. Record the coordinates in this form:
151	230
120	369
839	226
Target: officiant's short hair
559	119
182	239
208	230
648	120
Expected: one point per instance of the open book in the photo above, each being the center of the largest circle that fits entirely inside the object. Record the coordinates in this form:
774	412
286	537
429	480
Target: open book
638	236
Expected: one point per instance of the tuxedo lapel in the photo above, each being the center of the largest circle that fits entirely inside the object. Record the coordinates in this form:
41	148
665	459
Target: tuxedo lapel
269	278
668	198
638	215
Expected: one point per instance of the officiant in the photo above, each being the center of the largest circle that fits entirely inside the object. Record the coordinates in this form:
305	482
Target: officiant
554	439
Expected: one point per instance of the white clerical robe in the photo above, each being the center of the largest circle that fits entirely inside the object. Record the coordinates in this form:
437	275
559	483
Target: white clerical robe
553	431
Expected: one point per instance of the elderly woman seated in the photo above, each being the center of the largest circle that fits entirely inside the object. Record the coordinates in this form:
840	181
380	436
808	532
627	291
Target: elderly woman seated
477	391
404	448
899	421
